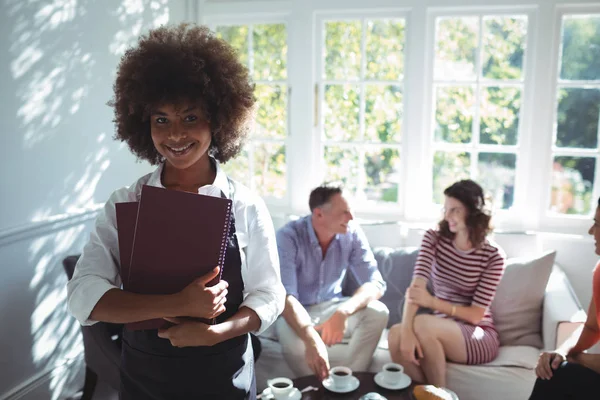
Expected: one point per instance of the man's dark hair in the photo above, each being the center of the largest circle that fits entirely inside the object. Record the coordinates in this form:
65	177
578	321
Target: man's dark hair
322	194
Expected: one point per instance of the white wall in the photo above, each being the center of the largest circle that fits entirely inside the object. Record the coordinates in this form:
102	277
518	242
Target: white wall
57	65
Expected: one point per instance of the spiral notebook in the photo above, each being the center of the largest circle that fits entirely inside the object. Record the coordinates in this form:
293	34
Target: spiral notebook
178	237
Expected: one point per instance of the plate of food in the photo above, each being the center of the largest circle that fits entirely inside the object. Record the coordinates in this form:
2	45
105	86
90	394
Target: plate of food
431	392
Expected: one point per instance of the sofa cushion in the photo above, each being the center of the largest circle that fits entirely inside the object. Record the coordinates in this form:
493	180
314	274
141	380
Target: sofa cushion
396	266
510	376
517	306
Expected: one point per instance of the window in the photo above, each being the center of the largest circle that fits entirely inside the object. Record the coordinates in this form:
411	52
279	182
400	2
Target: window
478	89
263	47
575	143
399	101
360	107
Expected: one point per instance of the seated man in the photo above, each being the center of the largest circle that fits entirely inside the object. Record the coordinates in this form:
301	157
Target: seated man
316	253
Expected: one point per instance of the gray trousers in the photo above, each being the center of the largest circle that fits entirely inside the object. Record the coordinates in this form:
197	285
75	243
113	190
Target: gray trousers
360	338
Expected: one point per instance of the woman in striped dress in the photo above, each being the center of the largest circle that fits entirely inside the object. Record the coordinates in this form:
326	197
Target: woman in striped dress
464	269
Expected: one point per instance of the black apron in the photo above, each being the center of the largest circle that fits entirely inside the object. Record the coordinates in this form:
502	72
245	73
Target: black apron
152	369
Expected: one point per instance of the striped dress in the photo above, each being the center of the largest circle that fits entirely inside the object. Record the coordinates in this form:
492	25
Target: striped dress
464	278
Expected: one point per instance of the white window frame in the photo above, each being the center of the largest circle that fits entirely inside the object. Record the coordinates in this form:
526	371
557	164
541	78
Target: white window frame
389	208
533	177
255	19
509	218
551	220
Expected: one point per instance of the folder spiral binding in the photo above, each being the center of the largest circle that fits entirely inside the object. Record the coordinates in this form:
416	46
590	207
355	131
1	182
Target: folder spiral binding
226	229
168	239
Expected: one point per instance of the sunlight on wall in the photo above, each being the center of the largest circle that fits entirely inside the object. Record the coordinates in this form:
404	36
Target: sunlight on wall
60	53
130	14
42	71
55	334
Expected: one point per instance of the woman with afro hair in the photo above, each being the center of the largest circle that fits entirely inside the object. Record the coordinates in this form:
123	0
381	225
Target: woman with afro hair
183	102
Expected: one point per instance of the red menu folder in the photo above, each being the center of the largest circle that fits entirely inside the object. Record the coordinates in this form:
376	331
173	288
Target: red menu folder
177	237
126	221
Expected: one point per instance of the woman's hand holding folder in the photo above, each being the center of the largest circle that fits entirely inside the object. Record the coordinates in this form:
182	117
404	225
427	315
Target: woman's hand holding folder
199	300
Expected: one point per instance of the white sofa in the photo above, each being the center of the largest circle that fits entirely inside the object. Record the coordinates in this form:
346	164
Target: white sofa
511	375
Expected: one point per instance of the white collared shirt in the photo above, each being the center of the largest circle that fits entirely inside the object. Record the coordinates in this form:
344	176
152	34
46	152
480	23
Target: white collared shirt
97	270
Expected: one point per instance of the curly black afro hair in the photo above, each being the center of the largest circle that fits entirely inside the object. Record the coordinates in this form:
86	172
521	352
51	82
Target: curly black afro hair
183	63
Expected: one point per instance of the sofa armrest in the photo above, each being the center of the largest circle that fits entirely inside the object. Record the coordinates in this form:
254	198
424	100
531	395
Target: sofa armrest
562	311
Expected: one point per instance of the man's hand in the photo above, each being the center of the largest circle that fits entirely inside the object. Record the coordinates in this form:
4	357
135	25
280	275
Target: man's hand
332	330
317	357
198	300
420	296
188	333
547	363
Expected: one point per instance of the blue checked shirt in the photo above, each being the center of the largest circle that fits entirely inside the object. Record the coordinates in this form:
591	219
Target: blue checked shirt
312	279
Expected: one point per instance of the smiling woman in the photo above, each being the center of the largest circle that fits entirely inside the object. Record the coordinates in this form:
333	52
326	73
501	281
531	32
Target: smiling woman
464	269
183	102
182	137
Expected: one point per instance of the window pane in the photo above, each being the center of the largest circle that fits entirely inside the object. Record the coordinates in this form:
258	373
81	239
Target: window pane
382	168
342	50
454	114
504	40
269	169
269	44
383	113
448	167
497	177
580	47
572	181
385	49
271	114
341	112
499	115
342	165
237	37
457	40
239	168
577	118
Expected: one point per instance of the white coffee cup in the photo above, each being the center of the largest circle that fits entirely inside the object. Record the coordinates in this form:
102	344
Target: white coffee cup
281	387
392	372
340	376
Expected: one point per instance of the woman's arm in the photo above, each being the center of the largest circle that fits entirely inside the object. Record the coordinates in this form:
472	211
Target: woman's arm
410	308
471	314
590	333
263	291
419	296
188	333
421	275
196	300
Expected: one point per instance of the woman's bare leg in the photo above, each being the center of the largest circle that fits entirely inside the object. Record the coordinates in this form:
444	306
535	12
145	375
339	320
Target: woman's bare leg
414	371
441	339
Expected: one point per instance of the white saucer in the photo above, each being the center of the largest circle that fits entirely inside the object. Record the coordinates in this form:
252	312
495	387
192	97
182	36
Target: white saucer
294	394
354	384
404	382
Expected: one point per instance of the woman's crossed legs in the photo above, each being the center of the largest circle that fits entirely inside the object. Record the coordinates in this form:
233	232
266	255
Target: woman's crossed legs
441	339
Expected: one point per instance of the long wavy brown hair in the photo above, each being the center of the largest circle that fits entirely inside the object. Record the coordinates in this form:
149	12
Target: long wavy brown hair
470	194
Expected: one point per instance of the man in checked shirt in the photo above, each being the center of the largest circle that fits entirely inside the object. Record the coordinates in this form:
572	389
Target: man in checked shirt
317	252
